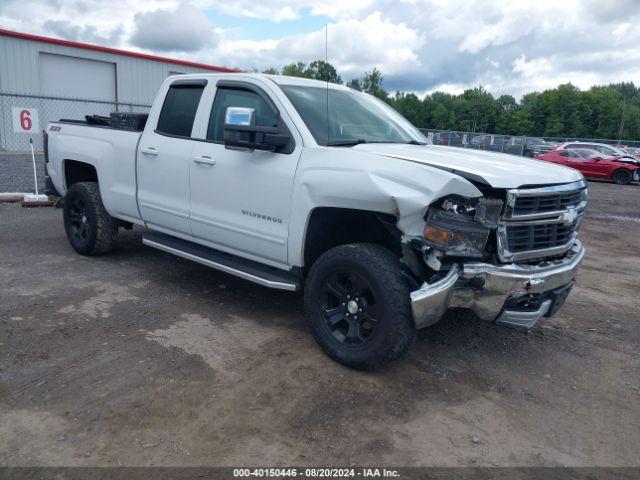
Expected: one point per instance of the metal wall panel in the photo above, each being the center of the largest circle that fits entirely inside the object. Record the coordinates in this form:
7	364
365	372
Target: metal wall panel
137	79
65	76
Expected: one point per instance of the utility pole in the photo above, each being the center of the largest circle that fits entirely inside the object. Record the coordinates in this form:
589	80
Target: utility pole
624	108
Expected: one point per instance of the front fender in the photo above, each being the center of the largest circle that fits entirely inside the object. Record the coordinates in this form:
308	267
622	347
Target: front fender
344	178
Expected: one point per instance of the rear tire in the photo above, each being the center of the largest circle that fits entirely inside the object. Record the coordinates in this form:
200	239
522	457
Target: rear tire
357	304
622	176
90	229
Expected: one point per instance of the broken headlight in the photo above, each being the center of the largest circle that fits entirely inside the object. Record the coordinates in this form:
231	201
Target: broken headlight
460	226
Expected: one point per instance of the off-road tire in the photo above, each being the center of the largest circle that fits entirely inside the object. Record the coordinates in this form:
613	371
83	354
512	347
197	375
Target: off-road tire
100	230
622	176
381	269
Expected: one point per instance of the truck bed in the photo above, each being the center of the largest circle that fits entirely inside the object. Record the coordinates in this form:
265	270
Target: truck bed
118	120
110	150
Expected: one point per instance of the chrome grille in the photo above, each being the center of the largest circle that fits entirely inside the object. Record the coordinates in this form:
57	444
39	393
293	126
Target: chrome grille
541	222
551	203
521	238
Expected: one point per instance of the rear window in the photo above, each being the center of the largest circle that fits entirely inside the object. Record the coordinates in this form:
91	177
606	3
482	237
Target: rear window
179	110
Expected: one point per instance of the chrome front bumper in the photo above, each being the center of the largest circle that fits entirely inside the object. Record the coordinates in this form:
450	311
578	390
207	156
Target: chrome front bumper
488	290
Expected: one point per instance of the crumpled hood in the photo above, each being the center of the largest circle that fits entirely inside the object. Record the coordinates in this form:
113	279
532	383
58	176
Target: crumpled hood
628	160
499	170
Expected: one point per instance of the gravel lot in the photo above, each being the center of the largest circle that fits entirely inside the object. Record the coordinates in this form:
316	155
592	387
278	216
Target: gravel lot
141	358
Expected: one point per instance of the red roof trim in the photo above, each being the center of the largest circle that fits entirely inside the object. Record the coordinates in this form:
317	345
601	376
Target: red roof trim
98	48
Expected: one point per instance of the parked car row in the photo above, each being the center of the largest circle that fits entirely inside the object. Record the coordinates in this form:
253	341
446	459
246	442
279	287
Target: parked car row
596	161
603	148
635	151
617	163
525	146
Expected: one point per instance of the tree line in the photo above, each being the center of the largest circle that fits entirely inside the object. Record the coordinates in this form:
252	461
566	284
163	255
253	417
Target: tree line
604	111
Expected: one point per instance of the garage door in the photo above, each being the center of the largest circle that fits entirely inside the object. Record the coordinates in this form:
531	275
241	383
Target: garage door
65	76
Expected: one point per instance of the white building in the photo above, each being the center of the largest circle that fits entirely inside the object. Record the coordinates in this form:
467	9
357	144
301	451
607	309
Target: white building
35	72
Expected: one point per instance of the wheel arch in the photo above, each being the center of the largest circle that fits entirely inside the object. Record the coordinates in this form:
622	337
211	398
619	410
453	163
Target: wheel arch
329	227
75	171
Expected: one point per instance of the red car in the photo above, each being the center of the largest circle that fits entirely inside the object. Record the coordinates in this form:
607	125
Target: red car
594	164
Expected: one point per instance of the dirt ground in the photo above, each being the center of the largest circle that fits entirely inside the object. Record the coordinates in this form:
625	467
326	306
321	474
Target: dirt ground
141	358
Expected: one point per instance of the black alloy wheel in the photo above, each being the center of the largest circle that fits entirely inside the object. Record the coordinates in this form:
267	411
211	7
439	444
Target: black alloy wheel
78	221
622	176
357	303
90	229
349	307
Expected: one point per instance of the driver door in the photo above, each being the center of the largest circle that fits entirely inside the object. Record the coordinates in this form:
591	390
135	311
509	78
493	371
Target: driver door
240	199
588	167
597	168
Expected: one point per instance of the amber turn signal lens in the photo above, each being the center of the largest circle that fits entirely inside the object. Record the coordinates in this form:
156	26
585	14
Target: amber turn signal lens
437	235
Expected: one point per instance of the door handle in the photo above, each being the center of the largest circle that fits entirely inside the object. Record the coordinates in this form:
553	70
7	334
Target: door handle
204	160
149	151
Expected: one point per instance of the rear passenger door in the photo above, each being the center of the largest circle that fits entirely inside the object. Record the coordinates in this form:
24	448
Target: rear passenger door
164	157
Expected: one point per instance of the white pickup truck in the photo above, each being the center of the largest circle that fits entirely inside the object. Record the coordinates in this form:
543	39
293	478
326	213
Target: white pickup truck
299	184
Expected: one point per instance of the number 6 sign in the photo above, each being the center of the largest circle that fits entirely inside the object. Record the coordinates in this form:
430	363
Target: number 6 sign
25	120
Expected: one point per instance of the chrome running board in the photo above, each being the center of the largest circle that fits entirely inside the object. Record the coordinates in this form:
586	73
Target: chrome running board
240	267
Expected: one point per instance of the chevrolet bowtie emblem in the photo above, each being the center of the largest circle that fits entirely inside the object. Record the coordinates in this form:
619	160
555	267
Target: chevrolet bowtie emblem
569	217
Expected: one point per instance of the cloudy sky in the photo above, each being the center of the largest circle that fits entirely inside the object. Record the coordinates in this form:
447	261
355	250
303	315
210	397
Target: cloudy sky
507	46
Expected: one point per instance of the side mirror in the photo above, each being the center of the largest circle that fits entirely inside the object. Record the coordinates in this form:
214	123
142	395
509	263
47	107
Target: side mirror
241	133
563	153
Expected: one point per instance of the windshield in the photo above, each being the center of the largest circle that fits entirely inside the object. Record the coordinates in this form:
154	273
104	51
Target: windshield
354	117
611	150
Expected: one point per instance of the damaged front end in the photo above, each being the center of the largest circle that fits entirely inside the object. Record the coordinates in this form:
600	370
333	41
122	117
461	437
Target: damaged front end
463	247
512	294
460	227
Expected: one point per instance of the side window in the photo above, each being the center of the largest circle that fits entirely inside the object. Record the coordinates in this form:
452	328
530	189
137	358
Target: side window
179	110
231	97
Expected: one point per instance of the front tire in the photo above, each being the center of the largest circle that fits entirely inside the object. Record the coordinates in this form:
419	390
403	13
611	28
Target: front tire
90	229
358	306
622	176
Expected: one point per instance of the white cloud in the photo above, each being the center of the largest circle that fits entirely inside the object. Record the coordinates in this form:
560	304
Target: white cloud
533	67
182	29
97	16
282	10
611	10
354	47
87	33
340	8
495	34
508	46
451	88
